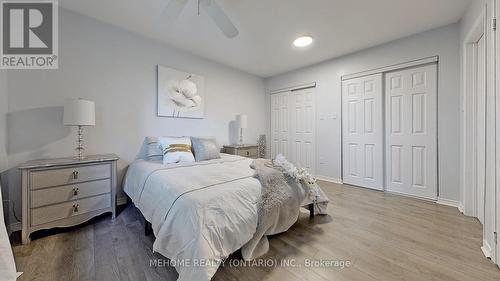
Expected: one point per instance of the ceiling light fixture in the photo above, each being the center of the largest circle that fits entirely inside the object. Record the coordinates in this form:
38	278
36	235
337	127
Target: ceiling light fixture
303	41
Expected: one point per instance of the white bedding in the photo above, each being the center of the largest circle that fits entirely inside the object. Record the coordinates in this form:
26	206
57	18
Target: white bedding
7	265
218	201
200	212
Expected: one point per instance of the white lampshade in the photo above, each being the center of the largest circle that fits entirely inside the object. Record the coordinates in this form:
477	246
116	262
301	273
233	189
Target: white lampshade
242	121
79	112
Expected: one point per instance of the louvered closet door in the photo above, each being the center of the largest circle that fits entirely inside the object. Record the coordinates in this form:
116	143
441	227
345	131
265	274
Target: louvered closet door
362	131
280	119
411	118
303	128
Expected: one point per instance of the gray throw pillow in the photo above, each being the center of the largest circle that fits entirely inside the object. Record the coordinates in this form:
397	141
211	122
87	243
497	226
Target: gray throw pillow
204	149
154	152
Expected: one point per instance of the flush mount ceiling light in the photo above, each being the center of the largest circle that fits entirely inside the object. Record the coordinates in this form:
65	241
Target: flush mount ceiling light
303	41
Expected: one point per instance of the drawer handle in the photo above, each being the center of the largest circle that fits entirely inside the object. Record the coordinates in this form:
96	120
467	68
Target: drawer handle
75	175
248	152
75	208
75	191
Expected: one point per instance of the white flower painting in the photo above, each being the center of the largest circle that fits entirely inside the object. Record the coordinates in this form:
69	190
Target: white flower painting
180	94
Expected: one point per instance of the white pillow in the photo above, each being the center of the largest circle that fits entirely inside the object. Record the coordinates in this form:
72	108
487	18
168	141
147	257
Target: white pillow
176	149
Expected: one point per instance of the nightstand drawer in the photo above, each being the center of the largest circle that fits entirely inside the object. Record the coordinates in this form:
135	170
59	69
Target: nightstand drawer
53	195
247	152
56	177
65	210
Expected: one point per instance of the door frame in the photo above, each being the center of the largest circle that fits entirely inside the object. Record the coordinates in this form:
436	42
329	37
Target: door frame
468	118
496	49
482	26
479	148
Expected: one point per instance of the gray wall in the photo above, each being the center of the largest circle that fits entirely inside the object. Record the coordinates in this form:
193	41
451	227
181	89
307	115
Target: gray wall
468	20
117	70
443	42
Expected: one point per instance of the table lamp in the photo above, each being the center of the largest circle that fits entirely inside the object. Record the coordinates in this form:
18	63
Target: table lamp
79	112
242	122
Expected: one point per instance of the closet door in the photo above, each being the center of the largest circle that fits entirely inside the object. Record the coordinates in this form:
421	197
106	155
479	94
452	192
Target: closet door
280	124
362	131
411	121
302	119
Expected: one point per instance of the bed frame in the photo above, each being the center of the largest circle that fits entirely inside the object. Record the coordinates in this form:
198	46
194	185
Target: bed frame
148	229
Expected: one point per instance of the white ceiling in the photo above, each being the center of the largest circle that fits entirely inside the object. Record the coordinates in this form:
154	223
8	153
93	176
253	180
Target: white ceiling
268	27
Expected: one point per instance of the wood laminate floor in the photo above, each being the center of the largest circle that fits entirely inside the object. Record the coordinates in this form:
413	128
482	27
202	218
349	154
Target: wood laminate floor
383	236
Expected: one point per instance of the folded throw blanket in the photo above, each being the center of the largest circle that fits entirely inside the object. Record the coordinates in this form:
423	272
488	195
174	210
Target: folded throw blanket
278	207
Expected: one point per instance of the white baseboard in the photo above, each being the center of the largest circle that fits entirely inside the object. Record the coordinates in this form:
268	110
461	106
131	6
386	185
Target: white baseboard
486	249
328	179
448	202
121	200
13	227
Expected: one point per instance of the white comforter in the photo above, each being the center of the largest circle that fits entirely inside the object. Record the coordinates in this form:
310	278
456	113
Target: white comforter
200	212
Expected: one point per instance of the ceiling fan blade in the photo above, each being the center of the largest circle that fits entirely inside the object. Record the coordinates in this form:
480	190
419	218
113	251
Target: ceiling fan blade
220	18
172	11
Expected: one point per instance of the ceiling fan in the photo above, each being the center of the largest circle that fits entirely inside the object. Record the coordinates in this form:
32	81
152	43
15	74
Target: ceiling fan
213	10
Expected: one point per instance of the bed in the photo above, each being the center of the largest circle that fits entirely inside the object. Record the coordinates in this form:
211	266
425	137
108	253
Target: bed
199	212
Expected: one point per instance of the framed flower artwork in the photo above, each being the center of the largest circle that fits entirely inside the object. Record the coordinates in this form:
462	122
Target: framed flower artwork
180	94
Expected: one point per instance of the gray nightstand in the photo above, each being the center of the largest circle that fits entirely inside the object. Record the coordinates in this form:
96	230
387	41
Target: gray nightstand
245	150
65	192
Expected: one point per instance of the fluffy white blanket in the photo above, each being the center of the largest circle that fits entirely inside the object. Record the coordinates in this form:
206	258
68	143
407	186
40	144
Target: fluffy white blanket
278	207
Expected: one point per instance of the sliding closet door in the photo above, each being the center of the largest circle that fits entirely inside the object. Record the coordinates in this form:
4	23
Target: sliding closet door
303	128
280	119
293	123
411	138
362	131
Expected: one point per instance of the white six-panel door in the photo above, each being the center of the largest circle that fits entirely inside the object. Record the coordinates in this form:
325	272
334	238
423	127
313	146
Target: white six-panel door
293	127
280	133
411	125
303	128
363	130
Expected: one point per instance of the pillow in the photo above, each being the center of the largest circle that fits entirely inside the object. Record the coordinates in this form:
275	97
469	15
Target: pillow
205	149
176	149
153	149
